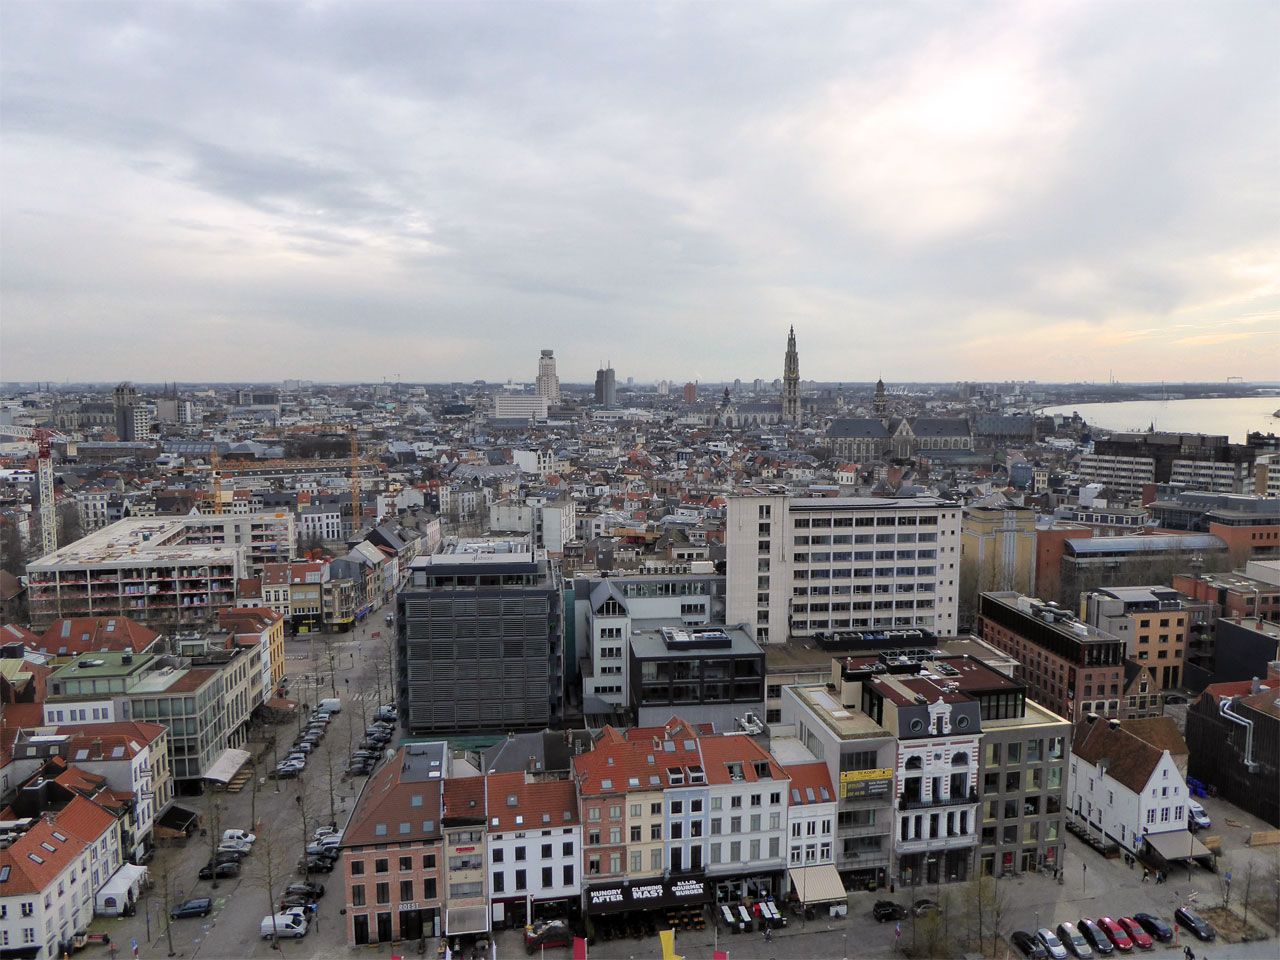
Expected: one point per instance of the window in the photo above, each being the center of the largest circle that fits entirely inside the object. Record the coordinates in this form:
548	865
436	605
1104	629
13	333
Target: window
499	882
383	891
357	867
380	865
520	879
406	864
357	895
406	891
546	878
498	854
568	875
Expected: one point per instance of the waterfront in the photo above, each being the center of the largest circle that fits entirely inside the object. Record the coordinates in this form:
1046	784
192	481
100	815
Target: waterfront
1233	416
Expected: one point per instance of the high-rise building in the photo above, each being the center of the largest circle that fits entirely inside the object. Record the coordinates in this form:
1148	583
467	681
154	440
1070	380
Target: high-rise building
835	565
126	403
548	383
690	393
791	412
606	387
480	647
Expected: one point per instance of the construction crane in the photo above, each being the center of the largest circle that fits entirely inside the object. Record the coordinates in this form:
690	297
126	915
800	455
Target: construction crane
352	433
218	468
44	462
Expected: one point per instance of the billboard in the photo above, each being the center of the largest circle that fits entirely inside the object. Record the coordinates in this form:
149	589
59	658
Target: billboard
855	784
644	895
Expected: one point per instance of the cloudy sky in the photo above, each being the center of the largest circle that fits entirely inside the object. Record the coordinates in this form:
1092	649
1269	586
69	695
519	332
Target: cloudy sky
436	191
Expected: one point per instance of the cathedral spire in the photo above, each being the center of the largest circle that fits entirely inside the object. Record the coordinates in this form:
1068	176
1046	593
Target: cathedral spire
791	381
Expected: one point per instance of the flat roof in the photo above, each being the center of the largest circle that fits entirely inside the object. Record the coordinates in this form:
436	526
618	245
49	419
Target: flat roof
868	503
796	656
647	641
1035	716
102	663
847	723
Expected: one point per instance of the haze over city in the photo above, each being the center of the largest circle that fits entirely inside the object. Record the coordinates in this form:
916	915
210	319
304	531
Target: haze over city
927	192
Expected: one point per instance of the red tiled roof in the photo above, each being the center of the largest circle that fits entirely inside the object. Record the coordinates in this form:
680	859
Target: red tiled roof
78	635
810	776
546	803
464	799
27	875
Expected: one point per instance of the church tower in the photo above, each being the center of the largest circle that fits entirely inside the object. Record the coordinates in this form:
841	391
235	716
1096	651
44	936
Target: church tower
791	382
880	405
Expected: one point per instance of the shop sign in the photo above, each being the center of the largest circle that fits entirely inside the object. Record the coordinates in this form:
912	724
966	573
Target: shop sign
856	776
645	896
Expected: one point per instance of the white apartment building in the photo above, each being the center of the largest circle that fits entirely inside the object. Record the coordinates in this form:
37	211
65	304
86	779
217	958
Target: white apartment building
49	876
534	845
606	608
1214	476
801	567
519	406
1124	476
811	816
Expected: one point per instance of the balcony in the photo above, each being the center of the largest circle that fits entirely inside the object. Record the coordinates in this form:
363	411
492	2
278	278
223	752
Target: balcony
917	804
929	844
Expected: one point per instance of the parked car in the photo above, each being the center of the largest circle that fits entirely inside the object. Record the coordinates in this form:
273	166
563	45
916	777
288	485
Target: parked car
386	712
1102	946
1074	940
886	910
365	755
1198	817
1153	925
304	745
315	865
1052	945
199	907
306	888
219	871
921	907
1195	923
1133	928
284	772
228	856
295	900
1116	934
1029	945
319	848
360	769
239	846
282	925
242	835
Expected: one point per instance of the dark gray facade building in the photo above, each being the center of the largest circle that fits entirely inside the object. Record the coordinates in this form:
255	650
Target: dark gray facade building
480	643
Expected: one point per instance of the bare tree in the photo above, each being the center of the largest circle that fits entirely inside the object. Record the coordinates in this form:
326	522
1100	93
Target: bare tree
270	867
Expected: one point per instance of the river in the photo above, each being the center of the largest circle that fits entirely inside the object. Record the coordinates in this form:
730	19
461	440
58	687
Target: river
1234	416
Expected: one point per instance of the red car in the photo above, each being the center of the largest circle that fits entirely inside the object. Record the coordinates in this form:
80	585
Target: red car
1134	929
1116	934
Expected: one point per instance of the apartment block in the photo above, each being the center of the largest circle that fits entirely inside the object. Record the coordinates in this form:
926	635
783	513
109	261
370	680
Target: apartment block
816	566
393	850
1069	667
998	548
1153	623
535	848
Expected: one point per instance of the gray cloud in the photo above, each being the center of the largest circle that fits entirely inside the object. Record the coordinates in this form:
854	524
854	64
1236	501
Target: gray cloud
669	185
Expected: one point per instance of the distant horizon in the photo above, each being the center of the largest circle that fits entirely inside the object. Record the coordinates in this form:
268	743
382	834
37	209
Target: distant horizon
1235	385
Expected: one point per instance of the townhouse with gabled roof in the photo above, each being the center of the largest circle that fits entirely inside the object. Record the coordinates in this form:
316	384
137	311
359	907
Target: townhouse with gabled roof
50	873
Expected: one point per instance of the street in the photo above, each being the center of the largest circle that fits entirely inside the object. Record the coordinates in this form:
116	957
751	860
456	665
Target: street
276	811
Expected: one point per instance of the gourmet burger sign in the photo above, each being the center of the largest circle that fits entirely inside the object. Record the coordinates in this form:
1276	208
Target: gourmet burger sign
645	895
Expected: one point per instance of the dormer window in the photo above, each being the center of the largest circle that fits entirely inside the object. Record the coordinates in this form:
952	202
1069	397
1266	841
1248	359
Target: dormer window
675	776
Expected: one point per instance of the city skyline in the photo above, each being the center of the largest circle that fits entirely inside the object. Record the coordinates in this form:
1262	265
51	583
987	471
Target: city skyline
927	193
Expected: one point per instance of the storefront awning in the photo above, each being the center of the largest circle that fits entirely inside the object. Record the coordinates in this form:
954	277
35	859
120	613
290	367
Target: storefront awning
460	920
177	817
225	767
818	884
1177	845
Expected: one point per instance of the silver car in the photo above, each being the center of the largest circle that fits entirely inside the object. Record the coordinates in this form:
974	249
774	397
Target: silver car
1051	943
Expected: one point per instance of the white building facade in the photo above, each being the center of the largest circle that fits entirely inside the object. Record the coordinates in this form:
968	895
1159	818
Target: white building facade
800	567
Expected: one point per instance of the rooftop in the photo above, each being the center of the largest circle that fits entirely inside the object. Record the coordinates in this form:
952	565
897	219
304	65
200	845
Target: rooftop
845	722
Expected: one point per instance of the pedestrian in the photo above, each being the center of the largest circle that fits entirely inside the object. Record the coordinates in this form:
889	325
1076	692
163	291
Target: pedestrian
1145	873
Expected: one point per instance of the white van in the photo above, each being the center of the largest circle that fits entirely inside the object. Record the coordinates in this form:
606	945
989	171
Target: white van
1198	816
329	705
284	925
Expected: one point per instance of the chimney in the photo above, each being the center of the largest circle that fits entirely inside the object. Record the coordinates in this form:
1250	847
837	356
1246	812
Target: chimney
1113	723
1255	685
1090	717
